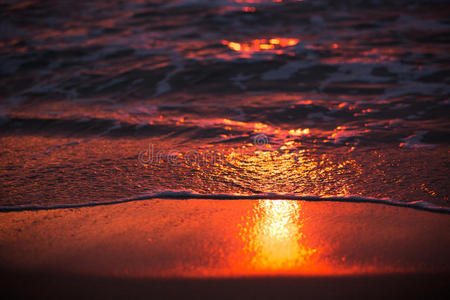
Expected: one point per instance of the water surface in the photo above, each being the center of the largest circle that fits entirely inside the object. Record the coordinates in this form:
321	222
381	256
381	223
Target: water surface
105	101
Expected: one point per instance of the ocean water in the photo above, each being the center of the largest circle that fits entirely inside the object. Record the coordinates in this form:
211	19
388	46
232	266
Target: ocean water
109	100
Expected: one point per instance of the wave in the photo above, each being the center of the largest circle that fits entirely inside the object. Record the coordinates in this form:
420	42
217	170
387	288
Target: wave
78	127
184	195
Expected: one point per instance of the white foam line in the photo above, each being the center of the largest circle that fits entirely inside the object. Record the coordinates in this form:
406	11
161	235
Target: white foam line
184	195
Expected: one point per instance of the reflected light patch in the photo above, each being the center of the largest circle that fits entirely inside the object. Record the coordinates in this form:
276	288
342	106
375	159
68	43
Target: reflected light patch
249	9
299	131
273	238
258	45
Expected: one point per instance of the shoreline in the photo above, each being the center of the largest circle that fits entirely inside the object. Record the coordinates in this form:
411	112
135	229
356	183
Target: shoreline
187	195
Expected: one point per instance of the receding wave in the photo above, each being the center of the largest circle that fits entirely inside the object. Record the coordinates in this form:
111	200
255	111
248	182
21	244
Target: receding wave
184	195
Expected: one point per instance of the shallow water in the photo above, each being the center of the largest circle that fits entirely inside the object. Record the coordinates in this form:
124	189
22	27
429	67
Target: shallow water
106	101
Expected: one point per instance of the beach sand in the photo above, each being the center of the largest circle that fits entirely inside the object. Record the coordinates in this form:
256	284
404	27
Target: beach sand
225	249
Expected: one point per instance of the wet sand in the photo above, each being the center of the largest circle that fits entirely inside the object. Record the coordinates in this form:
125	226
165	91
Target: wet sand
228	248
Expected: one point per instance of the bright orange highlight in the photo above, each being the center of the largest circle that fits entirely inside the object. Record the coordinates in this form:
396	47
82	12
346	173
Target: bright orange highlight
275	41
234	46
274	241
249	9
262	44
299	131
266	46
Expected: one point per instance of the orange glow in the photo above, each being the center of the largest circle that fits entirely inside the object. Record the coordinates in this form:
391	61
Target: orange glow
275	41
299	131
227	239
261	44
273	241
266	46
249	9
234	46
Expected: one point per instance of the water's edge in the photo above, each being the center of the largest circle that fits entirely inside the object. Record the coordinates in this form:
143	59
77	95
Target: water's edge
185	195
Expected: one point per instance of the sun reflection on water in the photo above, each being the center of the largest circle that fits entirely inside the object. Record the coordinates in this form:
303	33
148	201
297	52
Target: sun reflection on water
273	238
258	45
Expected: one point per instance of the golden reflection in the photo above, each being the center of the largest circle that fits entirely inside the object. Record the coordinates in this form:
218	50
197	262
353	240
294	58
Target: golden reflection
273	238
258	45
299	131
289	169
